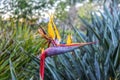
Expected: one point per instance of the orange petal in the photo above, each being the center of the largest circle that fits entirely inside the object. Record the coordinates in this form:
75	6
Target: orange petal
42	50
69	39
56	31
51	32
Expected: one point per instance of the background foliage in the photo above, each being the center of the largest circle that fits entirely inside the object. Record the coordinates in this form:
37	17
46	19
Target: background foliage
20	48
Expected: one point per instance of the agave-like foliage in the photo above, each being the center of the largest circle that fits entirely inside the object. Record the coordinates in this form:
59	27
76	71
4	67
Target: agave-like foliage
105	29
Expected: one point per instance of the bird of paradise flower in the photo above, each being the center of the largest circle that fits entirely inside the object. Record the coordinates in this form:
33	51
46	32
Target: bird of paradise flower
54	47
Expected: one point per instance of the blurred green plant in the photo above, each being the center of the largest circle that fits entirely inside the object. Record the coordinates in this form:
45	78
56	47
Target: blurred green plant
18	46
